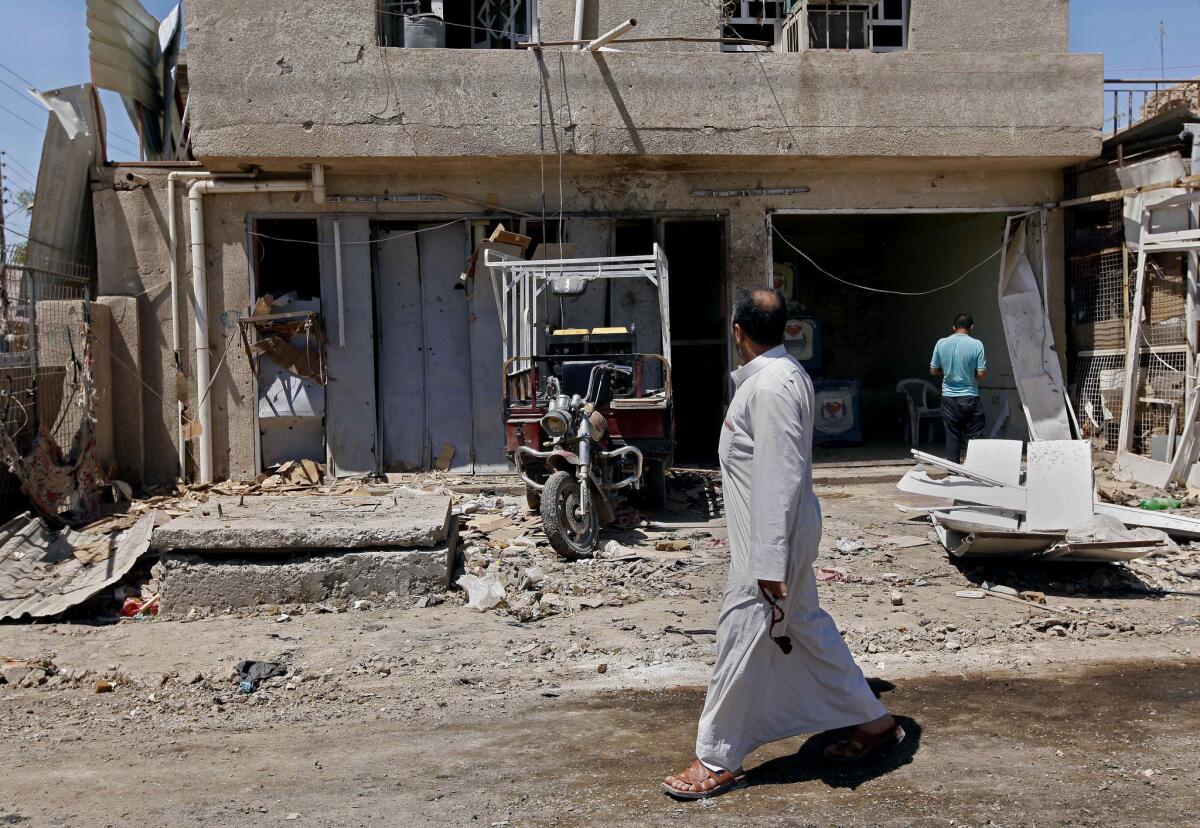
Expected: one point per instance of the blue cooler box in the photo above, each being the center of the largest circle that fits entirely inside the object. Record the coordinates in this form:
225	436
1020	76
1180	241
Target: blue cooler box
837	420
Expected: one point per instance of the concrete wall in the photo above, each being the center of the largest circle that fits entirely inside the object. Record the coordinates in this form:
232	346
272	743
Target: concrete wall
133	252
1010	26
278	83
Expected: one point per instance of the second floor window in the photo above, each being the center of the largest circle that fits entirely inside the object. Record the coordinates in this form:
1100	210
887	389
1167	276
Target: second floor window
455	24
874	25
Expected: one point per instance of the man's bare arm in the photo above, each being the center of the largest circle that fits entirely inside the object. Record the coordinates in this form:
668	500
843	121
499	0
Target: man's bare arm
980	374
935	372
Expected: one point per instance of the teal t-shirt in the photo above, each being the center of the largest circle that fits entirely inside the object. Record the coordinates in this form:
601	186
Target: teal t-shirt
959	356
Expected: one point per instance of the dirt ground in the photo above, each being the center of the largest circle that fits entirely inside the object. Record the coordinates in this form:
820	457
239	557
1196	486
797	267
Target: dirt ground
1082	711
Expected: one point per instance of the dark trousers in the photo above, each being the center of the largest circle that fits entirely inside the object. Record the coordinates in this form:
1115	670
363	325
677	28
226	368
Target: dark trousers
963	417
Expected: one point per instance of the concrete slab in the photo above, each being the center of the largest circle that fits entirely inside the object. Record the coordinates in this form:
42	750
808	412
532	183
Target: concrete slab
192	580
272	524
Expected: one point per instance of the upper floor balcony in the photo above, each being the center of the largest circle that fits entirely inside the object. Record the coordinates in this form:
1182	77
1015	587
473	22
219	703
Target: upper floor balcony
312	79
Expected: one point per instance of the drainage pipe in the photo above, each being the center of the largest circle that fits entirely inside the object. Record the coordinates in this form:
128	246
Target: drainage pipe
580	9
611	35
176	337
196	193
318	183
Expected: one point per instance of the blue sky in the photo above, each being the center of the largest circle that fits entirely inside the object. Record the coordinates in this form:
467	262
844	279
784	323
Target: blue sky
45	42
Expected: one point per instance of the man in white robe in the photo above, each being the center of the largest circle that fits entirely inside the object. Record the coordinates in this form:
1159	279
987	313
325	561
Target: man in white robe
782	668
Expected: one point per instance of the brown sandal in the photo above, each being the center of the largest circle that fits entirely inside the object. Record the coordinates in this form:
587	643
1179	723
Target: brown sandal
861	743
704	784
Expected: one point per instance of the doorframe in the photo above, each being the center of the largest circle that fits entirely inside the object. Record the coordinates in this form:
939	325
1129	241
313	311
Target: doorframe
883	211
769	276
427	453
253	216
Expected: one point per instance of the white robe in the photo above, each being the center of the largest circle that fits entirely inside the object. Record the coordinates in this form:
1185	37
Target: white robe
757	694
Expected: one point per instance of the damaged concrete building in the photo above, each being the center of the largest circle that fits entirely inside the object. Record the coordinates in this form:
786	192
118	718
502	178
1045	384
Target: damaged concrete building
342	178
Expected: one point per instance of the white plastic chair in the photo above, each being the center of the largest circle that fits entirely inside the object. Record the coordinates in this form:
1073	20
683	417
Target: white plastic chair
924	404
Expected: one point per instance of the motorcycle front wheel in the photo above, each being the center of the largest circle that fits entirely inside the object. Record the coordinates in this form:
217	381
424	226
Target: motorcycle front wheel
571	533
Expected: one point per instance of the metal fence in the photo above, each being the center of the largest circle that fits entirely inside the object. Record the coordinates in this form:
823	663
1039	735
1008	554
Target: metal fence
1128	102
45	355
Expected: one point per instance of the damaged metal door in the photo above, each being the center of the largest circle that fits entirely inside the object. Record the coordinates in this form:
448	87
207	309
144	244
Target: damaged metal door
350	355
425	371
401	352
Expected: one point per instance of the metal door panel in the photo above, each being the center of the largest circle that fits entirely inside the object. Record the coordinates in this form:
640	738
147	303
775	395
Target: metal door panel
401	353
442	252
350	395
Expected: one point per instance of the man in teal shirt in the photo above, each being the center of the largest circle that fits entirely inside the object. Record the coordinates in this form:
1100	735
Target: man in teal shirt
960	362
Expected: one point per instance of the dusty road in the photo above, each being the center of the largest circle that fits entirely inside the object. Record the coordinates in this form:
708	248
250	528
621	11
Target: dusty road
1085	711
1102	745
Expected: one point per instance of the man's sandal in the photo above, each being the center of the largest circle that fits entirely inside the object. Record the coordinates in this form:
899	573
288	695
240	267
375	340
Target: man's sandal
700	783
861	744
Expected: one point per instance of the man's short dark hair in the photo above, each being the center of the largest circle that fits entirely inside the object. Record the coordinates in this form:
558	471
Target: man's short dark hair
964	321
762	315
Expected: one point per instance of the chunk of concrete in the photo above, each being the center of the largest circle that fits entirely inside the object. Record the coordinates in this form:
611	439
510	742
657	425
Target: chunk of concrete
271	524
190	580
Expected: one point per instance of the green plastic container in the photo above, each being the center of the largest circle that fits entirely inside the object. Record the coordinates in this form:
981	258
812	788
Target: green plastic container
1160	504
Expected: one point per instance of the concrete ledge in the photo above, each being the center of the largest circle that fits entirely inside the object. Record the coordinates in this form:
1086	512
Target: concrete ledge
271	524
187	581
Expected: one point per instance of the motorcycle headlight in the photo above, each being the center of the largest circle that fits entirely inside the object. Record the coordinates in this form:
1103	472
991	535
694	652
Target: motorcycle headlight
556	423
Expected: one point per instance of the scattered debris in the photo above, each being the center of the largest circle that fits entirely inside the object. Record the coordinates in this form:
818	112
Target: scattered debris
43	574
252	673
1053	516
483	593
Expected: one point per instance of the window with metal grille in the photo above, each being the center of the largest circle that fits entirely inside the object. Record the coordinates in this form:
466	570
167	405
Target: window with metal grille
864	25
751	23
456	24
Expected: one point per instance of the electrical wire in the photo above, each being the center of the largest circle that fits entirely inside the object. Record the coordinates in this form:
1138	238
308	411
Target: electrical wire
7	158
23	120
23	94
356	243
560	135
17	175
13	72
870	289
36	241
129	145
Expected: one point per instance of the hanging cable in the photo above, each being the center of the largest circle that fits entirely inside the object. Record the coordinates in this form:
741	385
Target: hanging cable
356	243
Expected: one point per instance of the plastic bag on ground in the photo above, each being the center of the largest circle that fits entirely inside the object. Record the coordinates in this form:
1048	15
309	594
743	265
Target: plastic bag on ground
483	593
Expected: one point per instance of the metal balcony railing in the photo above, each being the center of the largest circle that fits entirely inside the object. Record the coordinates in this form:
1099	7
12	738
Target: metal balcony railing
1129	102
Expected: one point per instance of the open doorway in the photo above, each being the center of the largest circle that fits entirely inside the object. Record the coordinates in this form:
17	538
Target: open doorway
699	335
867	342
287	283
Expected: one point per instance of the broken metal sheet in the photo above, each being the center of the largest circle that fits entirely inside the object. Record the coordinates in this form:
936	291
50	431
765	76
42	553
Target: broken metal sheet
1035	546
1035	364
1097	552
1160	170
277	524
996	459
971	520
962	489
45	572
1060	486
1144	470
61	227
1176	526
135	55
1001	545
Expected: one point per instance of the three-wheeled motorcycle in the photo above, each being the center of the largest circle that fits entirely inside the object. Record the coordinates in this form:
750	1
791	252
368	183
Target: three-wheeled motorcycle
587	387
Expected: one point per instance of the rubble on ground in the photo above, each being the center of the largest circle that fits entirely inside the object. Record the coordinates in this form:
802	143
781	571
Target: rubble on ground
510	569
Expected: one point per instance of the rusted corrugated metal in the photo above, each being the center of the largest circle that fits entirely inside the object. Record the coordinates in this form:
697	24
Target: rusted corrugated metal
45	572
